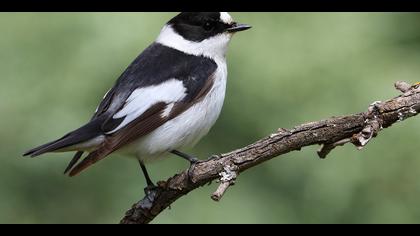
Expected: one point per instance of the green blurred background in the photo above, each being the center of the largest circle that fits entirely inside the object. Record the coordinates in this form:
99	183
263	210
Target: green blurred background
289	69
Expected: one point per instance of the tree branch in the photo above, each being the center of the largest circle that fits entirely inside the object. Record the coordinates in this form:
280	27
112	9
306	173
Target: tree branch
357	129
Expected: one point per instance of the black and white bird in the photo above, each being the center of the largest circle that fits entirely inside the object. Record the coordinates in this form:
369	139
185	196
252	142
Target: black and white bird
167	99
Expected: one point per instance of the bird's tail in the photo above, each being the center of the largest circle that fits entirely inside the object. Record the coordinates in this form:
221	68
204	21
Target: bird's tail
86	138
83	134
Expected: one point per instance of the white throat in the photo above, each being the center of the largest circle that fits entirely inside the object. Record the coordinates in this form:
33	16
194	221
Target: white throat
214	47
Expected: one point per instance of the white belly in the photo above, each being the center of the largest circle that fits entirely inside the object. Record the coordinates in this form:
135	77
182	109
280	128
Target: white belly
186	129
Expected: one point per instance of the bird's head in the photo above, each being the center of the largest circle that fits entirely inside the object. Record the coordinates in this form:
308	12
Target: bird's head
200	33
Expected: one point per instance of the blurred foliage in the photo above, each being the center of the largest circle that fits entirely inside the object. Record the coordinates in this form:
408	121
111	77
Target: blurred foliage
289	69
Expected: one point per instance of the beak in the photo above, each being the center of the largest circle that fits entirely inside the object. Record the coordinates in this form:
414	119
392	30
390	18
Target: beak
235	27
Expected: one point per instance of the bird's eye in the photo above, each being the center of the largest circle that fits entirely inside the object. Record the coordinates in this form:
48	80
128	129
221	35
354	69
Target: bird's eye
208	26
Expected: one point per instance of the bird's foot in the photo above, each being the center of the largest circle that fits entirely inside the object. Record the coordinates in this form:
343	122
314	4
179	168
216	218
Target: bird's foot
193	163
150	188
150	191
212	157
194	160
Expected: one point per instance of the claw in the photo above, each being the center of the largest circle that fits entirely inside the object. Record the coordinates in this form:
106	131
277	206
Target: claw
151	192
212	157
193	163
149	189
194	160
190	175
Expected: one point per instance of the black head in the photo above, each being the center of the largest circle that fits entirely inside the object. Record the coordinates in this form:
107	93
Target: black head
198	26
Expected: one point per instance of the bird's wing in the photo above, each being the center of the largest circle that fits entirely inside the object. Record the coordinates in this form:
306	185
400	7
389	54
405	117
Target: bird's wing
148	94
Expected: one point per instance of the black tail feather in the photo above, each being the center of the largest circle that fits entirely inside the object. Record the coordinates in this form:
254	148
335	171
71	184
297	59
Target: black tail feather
82	134
49	147
30	152
73	161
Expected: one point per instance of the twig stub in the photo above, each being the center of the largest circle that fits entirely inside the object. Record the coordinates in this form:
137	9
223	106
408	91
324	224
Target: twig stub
227	179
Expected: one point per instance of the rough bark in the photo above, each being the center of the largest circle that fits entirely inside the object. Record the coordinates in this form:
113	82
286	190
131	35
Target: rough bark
357	129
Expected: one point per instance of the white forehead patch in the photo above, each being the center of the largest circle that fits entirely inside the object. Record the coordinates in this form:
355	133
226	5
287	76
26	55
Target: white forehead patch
226	18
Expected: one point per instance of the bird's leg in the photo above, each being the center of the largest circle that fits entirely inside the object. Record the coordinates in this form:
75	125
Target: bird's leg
150	184
187	157
193	161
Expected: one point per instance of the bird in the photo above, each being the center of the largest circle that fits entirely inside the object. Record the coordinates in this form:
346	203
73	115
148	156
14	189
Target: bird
167	99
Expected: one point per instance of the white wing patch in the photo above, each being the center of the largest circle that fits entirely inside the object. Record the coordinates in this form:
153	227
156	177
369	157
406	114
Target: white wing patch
142	99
